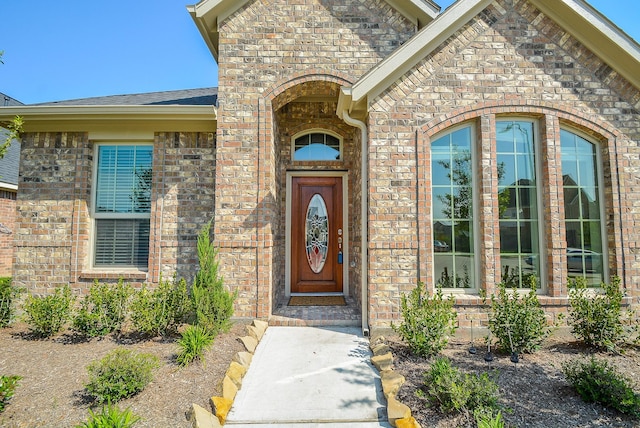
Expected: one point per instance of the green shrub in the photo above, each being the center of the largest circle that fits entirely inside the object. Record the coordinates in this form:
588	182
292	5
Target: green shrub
597	381
7	388
487	418
110	417
596	319
195	341
212	302
122	373
517	320
454	392
162	310
48	315
103	310
8	294
427	322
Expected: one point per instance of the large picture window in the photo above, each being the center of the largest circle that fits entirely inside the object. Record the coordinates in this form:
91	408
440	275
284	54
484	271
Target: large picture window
452	202
518	202
582	208
122	205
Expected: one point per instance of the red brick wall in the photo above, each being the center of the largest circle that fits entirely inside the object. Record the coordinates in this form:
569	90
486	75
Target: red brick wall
8	224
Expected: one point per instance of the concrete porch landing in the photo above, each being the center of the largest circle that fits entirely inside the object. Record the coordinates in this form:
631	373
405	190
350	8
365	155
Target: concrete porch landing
310	377
317	316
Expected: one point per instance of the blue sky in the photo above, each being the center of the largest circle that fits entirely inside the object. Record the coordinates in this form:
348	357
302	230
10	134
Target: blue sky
67	49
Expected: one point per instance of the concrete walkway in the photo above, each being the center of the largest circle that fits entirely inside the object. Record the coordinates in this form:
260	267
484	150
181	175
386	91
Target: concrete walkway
310	377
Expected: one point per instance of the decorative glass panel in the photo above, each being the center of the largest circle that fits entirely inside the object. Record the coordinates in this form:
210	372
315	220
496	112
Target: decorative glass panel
317	233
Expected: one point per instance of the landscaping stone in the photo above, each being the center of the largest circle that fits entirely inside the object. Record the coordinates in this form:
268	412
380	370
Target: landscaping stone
253	332
380	349
383	362
236	372
391	382
375	341
396	410
202	418
249	343
261	326
221	407
409	422
243	358
229	388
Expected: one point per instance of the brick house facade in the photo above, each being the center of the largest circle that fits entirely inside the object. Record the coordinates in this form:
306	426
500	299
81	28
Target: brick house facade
493	140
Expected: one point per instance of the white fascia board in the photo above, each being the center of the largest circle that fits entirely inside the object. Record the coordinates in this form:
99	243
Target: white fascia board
408	55
419	12
7	186
597	33
154	118
110	112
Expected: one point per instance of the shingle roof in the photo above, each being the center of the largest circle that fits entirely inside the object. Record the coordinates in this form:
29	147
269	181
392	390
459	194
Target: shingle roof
190	97
9	164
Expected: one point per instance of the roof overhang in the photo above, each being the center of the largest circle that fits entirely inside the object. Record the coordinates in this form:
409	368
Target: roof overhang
209	14
582	21
127	117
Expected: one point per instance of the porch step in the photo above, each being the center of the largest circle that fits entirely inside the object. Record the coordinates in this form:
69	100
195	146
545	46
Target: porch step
317	316
277	320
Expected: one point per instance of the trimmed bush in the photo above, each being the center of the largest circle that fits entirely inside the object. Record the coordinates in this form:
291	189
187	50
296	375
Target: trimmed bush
427	321
212	302
7	388
163	310
122	373
599	382
596	319
517	320
8	294
48	315
195	341
110	417
103	310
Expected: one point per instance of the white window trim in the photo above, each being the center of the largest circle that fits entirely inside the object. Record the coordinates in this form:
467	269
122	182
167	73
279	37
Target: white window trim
601	194
95	216
475	221
316	131
542	241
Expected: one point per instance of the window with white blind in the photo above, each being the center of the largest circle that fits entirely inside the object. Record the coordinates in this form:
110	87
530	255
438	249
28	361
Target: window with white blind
122	205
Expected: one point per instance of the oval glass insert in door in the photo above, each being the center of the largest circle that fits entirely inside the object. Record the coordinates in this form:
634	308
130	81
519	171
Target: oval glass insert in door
317	233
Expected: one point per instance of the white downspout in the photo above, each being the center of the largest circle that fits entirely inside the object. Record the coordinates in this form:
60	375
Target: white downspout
364	216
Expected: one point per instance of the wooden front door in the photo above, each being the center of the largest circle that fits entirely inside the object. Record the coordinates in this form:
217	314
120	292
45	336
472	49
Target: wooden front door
316	235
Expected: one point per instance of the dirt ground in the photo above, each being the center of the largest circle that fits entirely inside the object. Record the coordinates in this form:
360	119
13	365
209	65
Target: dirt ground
534	391
51	393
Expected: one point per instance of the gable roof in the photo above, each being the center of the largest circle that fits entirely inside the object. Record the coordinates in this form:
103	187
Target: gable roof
208	14
577	17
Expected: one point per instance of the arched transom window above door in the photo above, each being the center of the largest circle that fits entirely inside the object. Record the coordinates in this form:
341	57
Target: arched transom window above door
317	146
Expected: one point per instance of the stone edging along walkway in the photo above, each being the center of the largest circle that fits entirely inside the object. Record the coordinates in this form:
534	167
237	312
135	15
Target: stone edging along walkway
201	417
399	414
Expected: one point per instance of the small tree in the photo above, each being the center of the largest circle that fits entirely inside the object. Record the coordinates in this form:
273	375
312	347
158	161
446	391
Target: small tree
213	303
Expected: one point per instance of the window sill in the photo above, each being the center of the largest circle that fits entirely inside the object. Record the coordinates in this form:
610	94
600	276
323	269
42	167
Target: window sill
125	274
